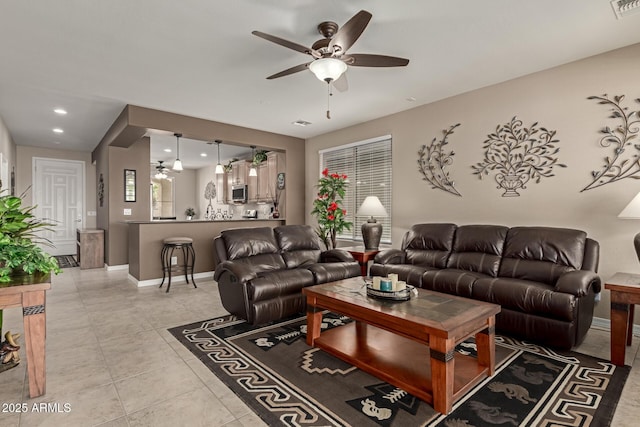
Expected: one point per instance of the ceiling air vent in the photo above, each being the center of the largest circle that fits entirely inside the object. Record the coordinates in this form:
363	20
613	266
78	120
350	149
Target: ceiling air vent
305	123
623	8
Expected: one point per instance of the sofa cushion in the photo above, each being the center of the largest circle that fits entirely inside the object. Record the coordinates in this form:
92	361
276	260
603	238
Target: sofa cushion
332	271
429	245
451	281
299	244
526	296
248	242
542	254
412	274
274	284
478	248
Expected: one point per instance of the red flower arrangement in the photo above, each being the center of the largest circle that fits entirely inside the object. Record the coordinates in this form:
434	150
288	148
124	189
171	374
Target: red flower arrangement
330	215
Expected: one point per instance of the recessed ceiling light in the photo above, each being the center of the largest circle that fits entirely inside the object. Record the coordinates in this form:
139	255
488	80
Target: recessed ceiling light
301	123
167	150
60	111
58	130
411	99
203	154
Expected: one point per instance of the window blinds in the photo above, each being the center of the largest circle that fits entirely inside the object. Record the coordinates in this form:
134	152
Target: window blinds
367	165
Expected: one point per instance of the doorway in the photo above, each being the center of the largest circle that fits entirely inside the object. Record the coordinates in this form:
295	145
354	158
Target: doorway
58	194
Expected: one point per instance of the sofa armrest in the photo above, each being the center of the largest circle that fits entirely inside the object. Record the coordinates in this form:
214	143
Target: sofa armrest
578	282
336	255
241	271
390	256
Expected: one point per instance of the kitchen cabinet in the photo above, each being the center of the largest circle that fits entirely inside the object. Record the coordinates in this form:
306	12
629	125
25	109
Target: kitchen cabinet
258	185
239	175
221	188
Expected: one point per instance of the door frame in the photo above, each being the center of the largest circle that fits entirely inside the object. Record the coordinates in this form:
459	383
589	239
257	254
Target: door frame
34	183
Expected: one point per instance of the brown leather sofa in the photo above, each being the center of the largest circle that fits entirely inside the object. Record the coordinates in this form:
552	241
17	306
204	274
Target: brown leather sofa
544	278
261	271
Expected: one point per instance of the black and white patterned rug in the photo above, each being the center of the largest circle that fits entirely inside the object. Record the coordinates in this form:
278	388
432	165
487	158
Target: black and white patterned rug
286	382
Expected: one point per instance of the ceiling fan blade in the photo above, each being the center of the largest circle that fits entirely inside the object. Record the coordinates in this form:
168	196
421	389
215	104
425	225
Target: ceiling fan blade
369	60
287	44
350	31
291	70
342	84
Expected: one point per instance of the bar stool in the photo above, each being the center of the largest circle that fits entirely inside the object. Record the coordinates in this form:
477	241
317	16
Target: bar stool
188	256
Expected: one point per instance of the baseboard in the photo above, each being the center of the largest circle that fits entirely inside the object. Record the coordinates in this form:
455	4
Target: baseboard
174	279
601	323
116	267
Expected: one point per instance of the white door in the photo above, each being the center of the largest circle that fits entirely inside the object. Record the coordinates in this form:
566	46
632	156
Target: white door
58	193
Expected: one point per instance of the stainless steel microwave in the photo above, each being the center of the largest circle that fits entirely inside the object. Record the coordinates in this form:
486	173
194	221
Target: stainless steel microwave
239	193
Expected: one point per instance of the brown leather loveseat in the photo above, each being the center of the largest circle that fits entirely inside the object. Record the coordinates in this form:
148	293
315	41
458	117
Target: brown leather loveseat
261	271
544	278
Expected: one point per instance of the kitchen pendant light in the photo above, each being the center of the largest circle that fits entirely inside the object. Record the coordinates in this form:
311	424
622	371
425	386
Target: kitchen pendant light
219	168
177	165
253	171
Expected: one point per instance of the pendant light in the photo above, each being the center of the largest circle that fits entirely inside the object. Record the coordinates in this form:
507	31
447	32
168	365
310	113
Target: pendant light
219	168
177	165
253	171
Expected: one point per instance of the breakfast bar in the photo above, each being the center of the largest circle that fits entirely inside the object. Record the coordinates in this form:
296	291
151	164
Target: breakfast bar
146	237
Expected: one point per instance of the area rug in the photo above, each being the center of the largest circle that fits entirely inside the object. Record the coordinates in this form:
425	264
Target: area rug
66	261
286	382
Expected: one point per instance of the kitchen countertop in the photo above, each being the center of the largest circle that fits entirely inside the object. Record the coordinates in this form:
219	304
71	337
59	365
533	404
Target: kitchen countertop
174	221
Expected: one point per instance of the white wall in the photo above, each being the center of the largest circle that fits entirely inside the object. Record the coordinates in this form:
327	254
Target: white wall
555	98
8	150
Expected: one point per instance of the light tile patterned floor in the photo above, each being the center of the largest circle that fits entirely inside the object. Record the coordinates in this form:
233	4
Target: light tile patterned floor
111	359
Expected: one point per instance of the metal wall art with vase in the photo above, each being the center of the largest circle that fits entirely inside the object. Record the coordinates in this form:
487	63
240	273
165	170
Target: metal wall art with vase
517	155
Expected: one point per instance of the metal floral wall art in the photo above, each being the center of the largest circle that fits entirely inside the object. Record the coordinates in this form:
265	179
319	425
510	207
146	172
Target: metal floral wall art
624	161
433	161
518	154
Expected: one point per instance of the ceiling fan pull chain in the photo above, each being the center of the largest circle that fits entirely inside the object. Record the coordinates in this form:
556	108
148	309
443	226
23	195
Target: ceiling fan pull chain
329	95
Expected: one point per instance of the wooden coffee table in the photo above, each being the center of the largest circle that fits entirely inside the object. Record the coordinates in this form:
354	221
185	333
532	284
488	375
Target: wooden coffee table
409	344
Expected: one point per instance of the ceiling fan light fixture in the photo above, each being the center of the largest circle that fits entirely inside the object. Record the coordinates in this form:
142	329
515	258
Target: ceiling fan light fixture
328	69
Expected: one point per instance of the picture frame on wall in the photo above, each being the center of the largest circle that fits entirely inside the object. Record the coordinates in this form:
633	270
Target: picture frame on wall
129	185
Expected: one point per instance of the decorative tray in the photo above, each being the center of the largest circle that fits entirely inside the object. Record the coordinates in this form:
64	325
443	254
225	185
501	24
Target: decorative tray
403	295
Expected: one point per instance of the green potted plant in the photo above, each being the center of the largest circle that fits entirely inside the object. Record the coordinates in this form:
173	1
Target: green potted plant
19	250
259	157
190	213
327	207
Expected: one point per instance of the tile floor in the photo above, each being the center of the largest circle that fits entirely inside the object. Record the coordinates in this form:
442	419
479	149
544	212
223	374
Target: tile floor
112	361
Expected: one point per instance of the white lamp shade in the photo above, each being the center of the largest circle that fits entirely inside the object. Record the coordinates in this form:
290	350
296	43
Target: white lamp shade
372	207
328	69
219	169
632	210
177	165
253	171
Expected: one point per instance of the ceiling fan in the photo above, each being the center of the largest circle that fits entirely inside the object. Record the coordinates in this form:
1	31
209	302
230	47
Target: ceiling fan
161	170
330	57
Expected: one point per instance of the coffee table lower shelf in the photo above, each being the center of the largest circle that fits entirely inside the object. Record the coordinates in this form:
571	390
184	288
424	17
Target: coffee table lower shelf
395	359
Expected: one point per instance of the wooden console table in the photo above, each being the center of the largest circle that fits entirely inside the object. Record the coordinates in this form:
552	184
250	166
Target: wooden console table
28	292
625	292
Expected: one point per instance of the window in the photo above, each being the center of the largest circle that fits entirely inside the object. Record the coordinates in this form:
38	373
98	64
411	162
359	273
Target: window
368	167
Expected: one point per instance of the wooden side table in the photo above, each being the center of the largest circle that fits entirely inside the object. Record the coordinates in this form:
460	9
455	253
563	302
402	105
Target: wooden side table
625	292
90	248
28	292
363	256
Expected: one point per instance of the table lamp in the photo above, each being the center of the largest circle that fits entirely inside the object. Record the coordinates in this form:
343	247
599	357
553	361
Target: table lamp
371	230
632	211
